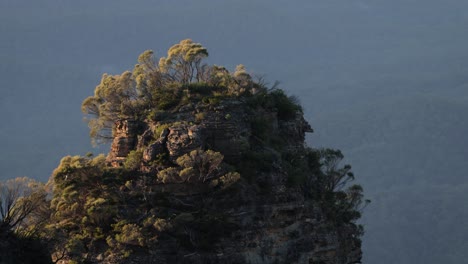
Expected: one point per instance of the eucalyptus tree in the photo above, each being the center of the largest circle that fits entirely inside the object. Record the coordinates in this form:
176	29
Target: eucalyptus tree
184	62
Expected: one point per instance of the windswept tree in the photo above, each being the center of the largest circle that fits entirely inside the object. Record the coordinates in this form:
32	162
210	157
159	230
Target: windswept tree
115	98
335	176
154	86
128	95
342	205
149	79
184	62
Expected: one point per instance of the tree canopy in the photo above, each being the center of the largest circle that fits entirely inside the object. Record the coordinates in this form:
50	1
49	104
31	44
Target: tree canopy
153	85
183	62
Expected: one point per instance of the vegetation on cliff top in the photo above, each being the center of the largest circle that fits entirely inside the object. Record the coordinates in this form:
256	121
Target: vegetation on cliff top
177	79
92	211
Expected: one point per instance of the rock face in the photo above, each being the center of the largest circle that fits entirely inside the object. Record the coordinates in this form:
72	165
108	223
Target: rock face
125	140
182	139
263	220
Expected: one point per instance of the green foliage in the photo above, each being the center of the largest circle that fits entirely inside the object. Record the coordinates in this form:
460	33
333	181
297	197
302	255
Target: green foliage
76	170
242	81
327	185
319	174
98	211
133	160
160	128
287	106
275	99
128	234
220	77
158	224
169	175
83	206
334	177
226	180
167	97
115	98
21	202
204	165
200	166
95	208
183	62
152	87
150	81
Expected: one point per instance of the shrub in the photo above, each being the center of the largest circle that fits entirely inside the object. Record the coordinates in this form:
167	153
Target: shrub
169	175
158	224
129	234
205	164
159	129
226	180
167	98
287	106
133	160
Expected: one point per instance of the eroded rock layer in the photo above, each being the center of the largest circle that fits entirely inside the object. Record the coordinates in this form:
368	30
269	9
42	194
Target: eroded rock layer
259	218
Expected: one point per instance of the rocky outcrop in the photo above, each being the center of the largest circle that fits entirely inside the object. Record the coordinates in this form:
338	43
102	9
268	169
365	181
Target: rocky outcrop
125	140
295	129
226	128
262	220
183	138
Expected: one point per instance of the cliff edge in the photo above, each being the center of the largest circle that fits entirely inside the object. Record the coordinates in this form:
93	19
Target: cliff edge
259	218
205	166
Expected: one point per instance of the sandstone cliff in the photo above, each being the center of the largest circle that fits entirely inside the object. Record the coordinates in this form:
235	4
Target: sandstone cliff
257	216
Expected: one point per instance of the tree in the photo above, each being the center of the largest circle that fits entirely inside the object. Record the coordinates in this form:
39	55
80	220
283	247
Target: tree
158	86
341	205
335	177
130	94
19	199
115	98
183	62
219	76
149	79
83	207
